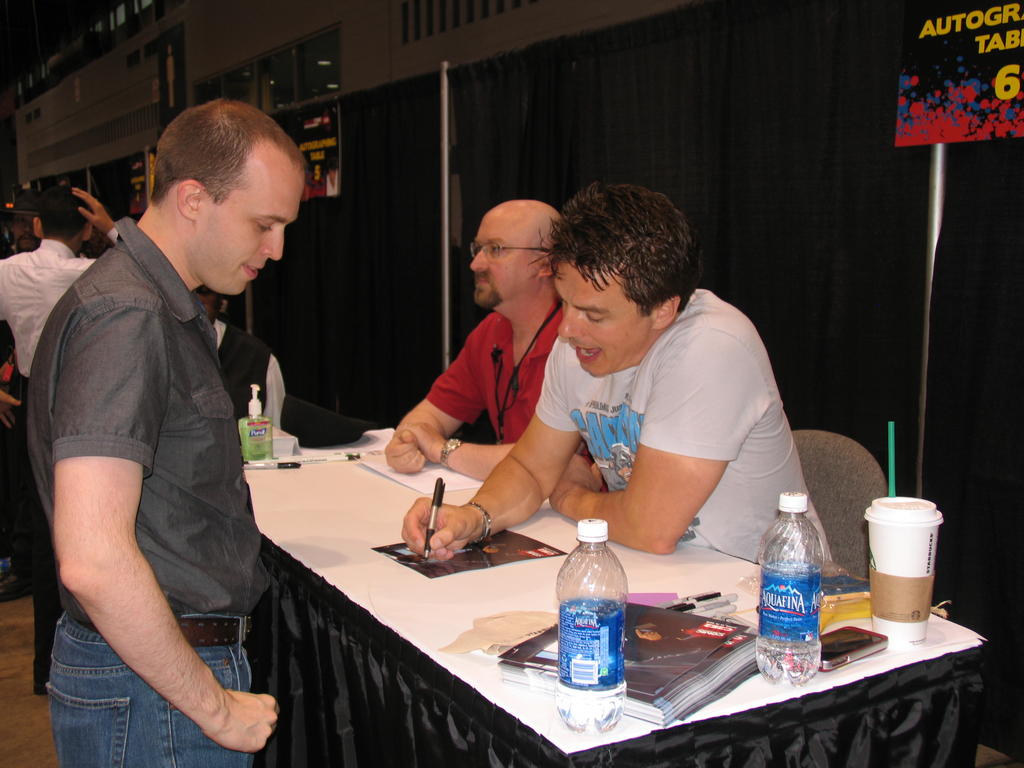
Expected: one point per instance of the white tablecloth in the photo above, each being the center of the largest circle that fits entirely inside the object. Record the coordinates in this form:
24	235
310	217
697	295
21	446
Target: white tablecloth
329	516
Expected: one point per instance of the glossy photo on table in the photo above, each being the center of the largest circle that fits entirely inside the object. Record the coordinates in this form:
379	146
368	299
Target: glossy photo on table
500	549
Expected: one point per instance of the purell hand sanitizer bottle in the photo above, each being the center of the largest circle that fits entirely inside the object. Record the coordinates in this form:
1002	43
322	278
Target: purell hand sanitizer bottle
255	431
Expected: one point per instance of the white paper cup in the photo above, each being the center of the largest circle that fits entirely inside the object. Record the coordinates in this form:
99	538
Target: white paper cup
903	536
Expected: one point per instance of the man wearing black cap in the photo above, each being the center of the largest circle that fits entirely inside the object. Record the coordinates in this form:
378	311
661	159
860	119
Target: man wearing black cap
30	284
22	211
14	520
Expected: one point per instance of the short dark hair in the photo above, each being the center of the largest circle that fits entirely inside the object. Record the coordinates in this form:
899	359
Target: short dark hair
211	144
58	211
630	234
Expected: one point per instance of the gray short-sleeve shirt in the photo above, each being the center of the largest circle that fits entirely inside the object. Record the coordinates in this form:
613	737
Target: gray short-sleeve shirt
127	368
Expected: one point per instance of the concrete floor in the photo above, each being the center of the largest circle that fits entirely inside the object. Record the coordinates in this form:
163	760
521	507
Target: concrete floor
25	725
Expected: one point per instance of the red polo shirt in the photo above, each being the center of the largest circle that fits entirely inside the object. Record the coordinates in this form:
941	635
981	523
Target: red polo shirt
468	386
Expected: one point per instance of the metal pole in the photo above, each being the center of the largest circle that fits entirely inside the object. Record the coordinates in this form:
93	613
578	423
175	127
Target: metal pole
936	196
446	315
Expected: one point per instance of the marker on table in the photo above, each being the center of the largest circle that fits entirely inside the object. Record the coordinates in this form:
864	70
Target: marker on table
716	601
435	504
690	599
271	465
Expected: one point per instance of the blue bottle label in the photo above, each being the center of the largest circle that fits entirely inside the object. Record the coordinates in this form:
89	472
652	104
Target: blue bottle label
590	643
790	603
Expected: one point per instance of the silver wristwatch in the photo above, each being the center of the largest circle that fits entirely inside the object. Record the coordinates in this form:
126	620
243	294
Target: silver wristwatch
450	445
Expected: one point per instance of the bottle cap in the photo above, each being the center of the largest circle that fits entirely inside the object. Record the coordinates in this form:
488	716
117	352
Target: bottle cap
255	409
592	530
793	501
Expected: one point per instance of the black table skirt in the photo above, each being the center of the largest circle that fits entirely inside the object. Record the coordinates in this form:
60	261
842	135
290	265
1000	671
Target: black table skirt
352	691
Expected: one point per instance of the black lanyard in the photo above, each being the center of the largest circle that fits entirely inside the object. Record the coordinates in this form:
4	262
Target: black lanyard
513	383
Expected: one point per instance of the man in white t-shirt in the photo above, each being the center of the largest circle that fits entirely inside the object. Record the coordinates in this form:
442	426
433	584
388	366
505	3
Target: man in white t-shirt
670	387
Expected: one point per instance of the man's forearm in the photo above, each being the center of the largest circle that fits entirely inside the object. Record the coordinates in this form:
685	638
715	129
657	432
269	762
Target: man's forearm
477	460
128	608
625	525
429	415
101	565
511	494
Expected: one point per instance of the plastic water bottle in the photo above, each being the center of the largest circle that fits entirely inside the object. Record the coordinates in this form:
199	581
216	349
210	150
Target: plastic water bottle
791	555
592	590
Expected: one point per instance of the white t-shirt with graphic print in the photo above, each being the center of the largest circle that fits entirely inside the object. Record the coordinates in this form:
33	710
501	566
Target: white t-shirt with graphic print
704	389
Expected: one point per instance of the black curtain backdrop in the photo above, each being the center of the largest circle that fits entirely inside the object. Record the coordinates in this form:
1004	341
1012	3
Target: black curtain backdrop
973	468
771	124
353	309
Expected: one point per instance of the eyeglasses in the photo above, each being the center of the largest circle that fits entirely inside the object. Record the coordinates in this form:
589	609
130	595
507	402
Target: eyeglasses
494	250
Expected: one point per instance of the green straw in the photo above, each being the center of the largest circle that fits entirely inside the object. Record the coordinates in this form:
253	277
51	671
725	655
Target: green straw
892	458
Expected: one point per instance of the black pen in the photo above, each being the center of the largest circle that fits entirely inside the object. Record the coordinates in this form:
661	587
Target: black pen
271	465
434	505
719	601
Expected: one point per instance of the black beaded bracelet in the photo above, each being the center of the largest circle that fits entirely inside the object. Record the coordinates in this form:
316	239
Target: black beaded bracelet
487	520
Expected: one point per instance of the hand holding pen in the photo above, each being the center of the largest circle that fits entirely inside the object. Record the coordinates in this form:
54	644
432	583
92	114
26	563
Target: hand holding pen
435	504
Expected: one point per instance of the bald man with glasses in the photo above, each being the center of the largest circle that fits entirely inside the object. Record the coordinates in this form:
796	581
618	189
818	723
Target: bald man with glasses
501	366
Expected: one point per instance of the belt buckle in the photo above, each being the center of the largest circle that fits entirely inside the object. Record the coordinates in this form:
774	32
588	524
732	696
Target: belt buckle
244	628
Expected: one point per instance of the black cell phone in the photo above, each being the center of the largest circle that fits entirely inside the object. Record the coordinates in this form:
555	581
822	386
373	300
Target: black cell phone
843	645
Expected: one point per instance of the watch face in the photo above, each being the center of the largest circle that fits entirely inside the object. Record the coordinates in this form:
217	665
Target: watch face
450	445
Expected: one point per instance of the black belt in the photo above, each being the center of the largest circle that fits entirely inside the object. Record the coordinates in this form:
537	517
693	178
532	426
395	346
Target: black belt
206	631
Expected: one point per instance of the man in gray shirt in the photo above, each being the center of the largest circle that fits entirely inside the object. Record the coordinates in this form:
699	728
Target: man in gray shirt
136	456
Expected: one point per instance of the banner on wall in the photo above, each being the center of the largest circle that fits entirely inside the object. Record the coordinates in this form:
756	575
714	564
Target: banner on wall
961	73
317	131
171	75
140	189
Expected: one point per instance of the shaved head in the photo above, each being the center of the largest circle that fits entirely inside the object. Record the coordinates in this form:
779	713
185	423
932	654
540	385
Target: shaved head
519	272
522	222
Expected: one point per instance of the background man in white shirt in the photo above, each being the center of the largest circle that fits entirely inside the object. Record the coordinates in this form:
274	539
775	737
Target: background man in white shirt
30	284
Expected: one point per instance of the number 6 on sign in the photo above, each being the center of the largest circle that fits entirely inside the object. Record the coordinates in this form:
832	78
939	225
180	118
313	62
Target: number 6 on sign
1007	82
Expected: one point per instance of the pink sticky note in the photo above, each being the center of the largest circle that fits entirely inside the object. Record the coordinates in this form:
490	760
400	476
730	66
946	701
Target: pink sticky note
652	598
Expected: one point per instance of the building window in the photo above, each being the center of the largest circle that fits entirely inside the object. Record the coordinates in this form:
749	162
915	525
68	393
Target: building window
277	74
318	65
208	90
240	84
309	70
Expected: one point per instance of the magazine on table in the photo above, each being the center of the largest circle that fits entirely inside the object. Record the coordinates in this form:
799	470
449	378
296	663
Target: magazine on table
676	662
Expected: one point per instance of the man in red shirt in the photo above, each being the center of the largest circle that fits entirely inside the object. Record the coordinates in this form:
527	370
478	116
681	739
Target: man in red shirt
501	366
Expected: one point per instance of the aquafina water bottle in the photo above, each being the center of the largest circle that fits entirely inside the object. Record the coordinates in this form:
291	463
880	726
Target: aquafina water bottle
791	556
591	590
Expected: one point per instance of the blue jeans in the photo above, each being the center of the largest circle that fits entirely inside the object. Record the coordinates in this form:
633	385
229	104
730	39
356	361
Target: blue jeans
103	714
